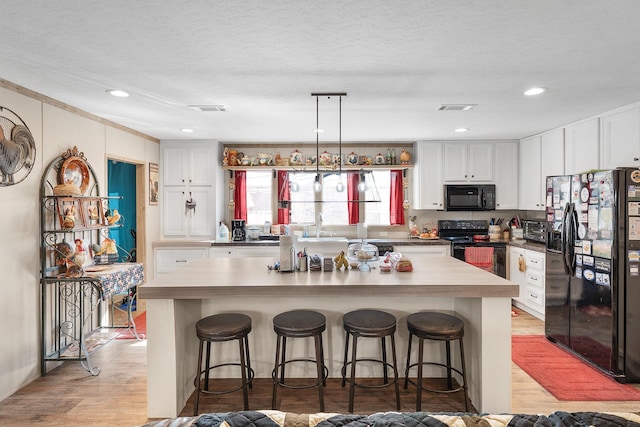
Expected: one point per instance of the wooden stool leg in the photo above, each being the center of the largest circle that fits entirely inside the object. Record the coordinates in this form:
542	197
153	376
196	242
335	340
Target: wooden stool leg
352	386
207	368
385	375
324	380
406	370
283	358
464	377
246	347
198	376
344	364
320	369
243	368
448	349
275	374
395	371
419	379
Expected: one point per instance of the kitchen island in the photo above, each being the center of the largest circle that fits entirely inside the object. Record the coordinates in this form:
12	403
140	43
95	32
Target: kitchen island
177	300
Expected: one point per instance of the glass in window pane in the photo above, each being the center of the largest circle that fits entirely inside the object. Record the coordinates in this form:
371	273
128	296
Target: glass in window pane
378	213
332	212
302	213
259	187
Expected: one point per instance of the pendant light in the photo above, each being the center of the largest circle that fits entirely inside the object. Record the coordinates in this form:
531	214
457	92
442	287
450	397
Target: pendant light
340	184
317	186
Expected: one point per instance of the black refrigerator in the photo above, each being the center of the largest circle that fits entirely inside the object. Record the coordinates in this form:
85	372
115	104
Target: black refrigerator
592	279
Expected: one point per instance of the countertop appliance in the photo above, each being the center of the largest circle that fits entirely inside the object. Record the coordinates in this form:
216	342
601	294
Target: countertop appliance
238	230
592	292
473	233
470	197
534	230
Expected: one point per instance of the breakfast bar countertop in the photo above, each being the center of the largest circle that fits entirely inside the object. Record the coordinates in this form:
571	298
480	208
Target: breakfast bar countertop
432	276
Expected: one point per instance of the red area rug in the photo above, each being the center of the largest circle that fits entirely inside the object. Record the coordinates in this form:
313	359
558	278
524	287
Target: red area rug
563	374
141	327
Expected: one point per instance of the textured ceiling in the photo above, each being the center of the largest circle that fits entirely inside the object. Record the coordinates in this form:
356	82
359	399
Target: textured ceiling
397	60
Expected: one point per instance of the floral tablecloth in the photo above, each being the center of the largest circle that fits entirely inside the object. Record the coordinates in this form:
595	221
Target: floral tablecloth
116	278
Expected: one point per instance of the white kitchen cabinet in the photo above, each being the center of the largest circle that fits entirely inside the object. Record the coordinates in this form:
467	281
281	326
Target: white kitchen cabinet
221	252
432	250
551	154
531	280
187	176
582	146
517	271
428	191
169	259
530	180
621	138
534	282
257	251
468	162
505	175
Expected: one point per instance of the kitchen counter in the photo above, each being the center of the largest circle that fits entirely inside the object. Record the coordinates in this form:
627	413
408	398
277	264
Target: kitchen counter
260	243
177	300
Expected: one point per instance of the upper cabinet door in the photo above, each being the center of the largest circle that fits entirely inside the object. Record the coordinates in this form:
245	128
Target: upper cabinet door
582	146
552	154
468	162
621	138
506	175
529	178
481	161
455	162
428	191
173	165
200	165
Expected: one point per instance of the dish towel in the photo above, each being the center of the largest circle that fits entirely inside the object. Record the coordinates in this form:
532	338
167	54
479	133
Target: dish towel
480	256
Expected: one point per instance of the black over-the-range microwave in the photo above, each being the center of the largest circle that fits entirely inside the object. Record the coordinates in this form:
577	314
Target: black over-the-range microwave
470	197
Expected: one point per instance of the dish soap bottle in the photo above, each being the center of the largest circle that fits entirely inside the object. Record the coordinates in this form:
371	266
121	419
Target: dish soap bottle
223	232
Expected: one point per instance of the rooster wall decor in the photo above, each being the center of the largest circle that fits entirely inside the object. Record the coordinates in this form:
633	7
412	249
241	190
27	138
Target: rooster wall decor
17	148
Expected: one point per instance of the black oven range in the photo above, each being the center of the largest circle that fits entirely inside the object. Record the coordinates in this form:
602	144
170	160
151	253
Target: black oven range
465	234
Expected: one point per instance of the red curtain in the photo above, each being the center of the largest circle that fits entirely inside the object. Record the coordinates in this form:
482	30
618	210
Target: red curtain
284	197
353	179
396	209
240	195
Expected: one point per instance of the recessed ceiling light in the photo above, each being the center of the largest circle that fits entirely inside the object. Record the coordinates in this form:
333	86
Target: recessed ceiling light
318	130
460	130
117	92
187	130
535	91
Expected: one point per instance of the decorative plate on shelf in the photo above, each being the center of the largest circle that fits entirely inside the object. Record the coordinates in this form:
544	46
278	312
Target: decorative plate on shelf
311	159
296	159
379	159
352	159
74	170
325	159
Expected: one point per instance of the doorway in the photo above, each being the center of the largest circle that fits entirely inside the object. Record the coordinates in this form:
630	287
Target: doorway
121	183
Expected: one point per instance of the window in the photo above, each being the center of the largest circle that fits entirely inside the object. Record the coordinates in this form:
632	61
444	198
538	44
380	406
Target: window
378	213
305	205
259	185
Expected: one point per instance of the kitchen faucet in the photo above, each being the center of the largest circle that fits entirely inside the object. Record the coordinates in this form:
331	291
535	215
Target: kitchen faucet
318	224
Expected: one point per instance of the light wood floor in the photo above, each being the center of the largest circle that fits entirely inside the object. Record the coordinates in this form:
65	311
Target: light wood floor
69	396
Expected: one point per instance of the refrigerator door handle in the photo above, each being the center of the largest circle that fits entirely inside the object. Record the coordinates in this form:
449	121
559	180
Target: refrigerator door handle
563	238
572	232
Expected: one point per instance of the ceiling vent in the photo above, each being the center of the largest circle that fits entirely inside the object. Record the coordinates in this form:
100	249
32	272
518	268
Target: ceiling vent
456	107
212	107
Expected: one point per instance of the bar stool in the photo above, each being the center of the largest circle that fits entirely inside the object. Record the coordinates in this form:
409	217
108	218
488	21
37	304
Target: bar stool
219	328
299	324
369	324
438	327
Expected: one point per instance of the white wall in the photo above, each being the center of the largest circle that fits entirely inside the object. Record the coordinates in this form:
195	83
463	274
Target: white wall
54	130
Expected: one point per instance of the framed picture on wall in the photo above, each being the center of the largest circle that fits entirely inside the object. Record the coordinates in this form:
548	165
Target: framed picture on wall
153	183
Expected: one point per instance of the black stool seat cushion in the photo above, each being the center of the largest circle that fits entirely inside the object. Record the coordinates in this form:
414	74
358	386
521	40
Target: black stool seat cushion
223	326
369	323
435	325
299	323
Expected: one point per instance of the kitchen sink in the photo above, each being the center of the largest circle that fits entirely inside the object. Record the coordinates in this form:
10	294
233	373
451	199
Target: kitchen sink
328	246
322	239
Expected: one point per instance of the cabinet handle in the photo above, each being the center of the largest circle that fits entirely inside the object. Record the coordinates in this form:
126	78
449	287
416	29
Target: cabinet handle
465	175
535	279
473	176
635	159
533	261
533	296
183	180
181	260
434	203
